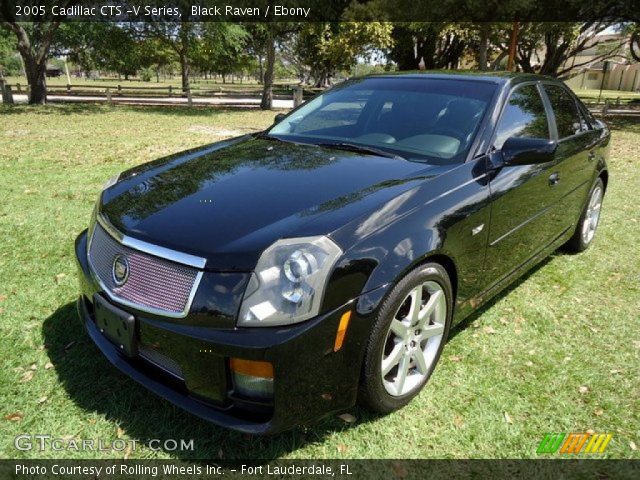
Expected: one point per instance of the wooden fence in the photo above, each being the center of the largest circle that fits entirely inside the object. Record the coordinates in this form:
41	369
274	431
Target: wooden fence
280	92
609	107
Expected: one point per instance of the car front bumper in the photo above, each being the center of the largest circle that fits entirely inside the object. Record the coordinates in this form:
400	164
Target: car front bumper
190	361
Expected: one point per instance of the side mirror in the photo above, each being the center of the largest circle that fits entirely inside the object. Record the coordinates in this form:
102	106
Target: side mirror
528	151
278	118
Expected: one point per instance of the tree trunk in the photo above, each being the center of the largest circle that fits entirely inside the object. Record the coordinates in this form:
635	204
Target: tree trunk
66	71
36	77
483	46
183	50
184	71
426	48
260	69
267	90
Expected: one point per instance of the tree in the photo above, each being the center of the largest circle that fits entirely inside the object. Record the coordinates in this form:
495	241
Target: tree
269	36
634	46
256	46
546	47
9	63
181	37
156	55
33	43
119	50
330	47
435	44
34	40
101	45
220	48
634	42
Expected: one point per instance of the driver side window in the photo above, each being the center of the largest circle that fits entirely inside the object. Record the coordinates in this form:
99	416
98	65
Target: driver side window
523	116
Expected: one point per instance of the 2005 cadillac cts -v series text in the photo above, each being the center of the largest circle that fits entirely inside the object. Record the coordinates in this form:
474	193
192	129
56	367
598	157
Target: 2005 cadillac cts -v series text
269	280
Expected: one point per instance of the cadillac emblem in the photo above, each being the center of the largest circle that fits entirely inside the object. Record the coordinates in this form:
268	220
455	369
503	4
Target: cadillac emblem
120	270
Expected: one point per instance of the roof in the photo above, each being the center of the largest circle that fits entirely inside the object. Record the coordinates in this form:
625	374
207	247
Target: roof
497	77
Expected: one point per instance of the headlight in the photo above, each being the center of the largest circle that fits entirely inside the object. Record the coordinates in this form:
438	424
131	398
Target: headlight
111	182
289	281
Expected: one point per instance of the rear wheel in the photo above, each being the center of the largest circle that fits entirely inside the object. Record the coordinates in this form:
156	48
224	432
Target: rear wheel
407	338
589	219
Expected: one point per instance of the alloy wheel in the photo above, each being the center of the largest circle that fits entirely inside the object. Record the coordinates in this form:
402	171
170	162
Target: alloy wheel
413	339
592	217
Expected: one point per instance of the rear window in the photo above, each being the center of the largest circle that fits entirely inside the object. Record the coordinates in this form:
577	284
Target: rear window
568	119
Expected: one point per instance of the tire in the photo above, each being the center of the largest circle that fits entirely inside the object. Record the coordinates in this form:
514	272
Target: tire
589	218
388	343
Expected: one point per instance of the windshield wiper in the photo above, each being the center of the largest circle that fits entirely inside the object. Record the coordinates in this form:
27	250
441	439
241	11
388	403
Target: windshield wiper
266	136
354	147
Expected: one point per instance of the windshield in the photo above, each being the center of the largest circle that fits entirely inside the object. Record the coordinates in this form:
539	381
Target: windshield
426	119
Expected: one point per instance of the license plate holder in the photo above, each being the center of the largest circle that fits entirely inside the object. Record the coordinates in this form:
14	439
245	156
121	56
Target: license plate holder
118	326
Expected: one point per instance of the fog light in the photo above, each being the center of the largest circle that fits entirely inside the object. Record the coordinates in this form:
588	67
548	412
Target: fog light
252	379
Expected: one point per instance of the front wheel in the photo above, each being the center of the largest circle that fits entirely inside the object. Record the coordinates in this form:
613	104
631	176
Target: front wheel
589	219
406	339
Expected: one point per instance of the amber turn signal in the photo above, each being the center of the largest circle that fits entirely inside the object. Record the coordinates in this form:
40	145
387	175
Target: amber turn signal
342	330
253	368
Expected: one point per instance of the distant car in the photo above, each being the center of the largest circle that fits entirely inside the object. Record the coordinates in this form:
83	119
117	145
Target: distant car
269	280
52	72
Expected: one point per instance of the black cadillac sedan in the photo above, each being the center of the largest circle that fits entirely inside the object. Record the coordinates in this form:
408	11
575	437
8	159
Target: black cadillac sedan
271	279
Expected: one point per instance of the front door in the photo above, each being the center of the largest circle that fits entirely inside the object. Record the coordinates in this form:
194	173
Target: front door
521	195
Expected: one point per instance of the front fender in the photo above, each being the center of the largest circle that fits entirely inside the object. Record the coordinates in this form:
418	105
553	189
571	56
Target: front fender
446	220
374	265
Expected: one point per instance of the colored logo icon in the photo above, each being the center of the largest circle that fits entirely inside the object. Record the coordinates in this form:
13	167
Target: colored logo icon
574	443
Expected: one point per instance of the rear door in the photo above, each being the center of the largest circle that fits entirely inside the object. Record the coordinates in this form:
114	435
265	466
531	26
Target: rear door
521	196
575	156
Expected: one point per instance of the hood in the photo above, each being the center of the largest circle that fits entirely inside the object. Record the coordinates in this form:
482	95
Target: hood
229	201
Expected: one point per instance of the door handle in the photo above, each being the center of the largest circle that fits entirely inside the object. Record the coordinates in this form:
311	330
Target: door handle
554	178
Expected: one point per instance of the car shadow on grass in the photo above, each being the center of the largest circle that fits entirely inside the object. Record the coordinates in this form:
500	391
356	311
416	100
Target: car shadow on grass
461	326
99	388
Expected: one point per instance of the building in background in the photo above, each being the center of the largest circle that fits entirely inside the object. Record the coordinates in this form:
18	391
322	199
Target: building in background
618	72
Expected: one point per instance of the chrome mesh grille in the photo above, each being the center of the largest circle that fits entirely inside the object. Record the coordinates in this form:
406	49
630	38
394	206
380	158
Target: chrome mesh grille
154	284
161	360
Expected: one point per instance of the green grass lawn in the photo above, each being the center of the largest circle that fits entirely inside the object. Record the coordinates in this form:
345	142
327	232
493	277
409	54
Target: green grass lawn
558	352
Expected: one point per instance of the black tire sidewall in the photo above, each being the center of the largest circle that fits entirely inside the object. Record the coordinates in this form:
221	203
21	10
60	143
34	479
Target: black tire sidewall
372	392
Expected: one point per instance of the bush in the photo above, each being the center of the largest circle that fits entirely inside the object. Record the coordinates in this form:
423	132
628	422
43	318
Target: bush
11	65
146	74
